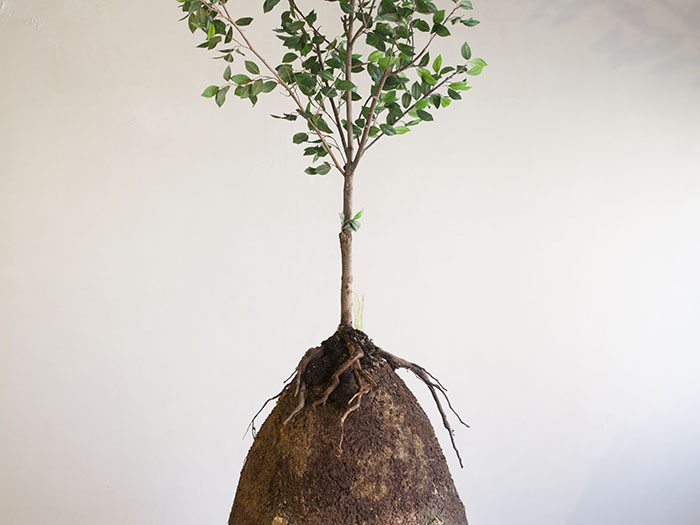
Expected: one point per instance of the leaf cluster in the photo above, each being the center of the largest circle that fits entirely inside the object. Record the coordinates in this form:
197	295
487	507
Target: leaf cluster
375	79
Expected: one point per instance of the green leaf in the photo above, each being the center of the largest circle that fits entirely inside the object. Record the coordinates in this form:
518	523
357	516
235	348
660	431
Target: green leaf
344	85
211	31
352	226
438	16
441	30
424	115
269	86
466	4
416	91
478	65
210	91
387	129
374	72
240	79
425	6
221	96
342	217
422	104
421	25
256	88
454	95
437	64
245	21
358	214
400	130
269	5
252	67
323	168
374	56
227	73
322	125
426	76
389	97
459	86
470	22
300	137
289	57
326	74
466	51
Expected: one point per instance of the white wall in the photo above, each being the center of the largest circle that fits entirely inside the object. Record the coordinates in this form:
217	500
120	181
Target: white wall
164	264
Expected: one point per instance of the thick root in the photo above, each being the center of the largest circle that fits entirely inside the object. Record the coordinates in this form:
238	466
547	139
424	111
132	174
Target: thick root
355	355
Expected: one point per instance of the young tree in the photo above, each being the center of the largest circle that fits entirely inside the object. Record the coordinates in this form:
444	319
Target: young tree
376	79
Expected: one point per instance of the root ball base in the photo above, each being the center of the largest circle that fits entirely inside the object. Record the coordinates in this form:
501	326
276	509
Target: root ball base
391	470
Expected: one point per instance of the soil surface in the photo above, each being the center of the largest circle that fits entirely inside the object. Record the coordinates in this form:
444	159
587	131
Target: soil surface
391	470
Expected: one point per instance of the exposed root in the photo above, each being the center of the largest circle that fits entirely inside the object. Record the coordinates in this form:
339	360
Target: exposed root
300	405
434	386
356	355
310	355
251	425
365	382
355	400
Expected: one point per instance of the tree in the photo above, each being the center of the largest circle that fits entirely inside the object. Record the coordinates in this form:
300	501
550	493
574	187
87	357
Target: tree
374	79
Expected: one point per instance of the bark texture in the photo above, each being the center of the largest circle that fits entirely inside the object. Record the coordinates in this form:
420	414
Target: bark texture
391	471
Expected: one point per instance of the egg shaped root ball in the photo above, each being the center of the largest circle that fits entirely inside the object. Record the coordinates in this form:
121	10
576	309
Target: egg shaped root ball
356	451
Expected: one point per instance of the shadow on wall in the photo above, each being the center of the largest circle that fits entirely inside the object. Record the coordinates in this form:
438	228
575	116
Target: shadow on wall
647	477
663	35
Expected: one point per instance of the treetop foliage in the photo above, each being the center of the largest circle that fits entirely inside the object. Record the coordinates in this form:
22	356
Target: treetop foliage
376	79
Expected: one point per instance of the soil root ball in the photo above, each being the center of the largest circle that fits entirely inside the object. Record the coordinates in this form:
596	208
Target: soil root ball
348	444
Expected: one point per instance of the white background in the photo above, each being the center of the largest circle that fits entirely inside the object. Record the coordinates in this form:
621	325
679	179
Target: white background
164	264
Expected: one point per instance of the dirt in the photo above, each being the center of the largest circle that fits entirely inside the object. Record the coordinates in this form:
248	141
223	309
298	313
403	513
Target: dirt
391	471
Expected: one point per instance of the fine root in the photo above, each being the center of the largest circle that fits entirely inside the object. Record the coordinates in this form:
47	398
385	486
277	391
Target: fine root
434	386
251	425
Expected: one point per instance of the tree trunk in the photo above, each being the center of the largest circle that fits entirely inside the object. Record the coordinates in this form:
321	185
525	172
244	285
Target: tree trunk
346	253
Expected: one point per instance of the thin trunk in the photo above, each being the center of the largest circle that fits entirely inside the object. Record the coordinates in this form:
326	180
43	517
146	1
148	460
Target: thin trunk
346	235
346	255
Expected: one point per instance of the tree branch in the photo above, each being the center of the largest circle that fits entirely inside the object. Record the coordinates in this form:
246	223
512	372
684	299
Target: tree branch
435	88
375	100
291	92
348	77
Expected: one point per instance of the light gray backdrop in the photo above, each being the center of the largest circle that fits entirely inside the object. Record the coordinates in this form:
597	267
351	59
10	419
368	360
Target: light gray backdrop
164	264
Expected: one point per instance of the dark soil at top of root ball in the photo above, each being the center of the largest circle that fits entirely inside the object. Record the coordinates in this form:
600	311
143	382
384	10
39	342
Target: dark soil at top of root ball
391	470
